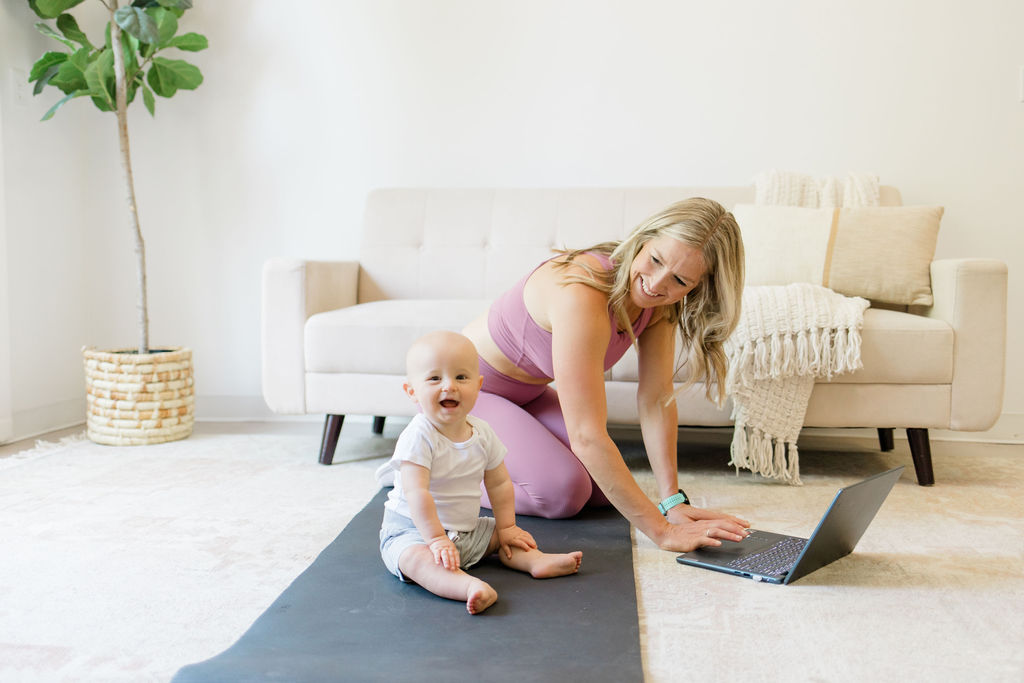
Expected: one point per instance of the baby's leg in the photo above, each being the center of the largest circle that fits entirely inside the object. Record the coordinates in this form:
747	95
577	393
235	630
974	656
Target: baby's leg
417	563
540	565
543	565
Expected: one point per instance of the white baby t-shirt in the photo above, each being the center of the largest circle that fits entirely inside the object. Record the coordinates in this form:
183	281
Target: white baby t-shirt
456	469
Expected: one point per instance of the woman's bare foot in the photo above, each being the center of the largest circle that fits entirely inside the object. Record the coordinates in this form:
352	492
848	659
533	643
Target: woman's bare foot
479	597
550	565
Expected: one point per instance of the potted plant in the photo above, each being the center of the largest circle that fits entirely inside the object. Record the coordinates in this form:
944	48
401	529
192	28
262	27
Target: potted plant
139	395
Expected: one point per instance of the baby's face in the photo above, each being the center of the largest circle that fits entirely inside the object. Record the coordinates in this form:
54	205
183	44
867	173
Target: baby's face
445	381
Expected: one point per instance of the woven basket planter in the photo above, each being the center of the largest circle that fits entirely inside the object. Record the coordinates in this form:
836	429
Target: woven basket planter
136	399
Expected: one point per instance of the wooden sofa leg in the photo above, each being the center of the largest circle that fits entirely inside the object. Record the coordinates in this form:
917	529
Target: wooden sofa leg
885	442
332	429
378	424
921	451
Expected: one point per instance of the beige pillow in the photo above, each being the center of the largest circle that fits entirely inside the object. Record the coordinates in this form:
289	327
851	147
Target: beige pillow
882	253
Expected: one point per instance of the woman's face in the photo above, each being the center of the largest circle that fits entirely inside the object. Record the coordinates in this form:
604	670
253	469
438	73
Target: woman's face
664	271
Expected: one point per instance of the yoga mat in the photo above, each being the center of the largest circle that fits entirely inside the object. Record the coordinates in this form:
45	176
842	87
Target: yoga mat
347	619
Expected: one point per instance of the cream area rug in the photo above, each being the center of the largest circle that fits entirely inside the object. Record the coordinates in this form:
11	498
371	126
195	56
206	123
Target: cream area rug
124	564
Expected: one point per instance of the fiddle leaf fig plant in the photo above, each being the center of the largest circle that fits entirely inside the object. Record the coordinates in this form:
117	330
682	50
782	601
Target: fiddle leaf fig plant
112	71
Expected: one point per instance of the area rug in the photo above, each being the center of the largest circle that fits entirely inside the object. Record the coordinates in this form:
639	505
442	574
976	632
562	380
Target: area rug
128	564
346	619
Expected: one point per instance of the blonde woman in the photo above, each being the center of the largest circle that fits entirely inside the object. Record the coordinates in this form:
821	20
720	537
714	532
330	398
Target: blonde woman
571	319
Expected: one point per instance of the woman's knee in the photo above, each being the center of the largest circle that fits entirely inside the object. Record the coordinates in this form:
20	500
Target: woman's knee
555	497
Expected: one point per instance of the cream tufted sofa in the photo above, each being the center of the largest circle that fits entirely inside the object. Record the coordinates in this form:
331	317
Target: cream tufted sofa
334	334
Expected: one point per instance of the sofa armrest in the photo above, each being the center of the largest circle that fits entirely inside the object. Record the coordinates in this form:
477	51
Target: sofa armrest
970	295
294	290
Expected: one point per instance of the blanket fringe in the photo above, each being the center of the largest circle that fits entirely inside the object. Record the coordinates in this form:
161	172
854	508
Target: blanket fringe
786	338
764	454
816	352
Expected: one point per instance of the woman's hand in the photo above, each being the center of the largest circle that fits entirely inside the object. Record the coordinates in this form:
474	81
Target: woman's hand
681	514
692	534
514	536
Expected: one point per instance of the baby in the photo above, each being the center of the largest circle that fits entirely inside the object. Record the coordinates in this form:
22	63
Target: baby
432	528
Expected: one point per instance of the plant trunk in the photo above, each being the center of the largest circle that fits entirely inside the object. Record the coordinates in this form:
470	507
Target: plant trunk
121	101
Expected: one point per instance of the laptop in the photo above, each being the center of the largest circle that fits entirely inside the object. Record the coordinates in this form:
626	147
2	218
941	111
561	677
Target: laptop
776	558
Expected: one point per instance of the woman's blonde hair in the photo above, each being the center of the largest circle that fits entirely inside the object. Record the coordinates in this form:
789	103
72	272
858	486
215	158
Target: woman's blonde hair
710	312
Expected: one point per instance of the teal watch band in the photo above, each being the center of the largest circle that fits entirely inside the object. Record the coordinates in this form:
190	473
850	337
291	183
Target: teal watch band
673	500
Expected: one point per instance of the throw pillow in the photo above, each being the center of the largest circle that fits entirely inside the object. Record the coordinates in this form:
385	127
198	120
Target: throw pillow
881	253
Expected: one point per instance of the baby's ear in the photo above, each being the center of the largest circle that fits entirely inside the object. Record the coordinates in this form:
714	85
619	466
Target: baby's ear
480	384
410	392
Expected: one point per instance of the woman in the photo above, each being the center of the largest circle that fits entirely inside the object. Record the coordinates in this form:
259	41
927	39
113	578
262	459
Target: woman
571	319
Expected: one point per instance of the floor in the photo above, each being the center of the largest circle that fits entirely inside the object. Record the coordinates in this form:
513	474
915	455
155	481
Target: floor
221	547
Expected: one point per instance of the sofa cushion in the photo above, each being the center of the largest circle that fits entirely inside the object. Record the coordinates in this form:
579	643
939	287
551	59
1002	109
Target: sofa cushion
494	236
880	253
896	348
374	337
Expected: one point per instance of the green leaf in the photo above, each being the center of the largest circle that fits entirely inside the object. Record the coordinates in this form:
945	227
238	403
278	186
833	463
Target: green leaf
51	9
48	31
161	79
129	48
45	63
69	27
71	74
148	99
166	24
81	58
41	83
168	75
100	77
176	4
190	42
136	22
53	110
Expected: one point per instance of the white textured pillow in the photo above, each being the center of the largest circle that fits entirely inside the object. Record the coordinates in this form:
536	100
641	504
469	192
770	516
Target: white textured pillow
882	253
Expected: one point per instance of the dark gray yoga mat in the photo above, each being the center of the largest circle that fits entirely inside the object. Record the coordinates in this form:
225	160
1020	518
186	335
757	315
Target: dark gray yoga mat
347	619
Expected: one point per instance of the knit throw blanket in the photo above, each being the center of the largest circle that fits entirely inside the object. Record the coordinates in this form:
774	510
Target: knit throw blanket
800	189
787	336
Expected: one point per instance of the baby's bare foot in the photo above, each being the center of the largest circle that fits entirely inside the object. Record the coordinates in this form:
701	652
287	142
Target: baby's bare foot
551	565
479	597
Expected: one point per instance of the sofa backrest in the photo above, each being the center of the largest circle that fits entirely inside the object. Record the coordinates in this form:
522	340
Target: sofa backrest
420	243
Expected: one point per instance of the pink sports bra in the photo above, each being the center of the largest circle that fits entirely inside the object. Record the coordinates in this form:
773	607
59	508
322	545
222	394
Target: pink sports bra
528	345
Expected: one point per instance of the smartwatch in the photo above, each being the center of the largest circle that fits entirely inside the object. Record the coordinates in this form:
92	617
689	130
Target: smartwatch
673	500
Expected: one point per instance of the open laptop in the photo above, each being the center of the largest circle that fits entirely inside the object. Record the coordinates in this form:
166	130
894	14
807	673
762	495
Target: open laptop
776	558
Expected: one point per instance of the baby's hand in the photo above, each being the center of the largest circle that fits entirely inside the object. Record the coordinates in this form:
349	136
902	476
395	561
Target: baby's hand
514	536
445	553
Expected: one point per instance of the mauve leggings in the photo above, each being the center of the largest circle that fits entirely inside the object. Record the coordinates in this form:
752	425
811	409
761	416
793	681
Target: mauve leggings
549	480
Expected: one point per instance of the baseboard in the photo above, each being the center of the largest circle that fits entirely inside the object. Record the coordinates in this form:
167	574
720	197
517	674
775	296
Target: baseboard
242	409
28	424
1009	428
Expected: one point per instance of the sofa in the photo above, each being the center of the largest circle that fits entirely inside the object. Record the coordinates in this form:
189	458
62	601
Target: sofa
335	333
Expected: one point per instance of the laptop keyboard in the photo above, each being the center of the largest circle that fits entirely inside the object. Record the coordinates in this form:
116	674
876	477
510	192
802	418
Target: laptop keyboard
778	559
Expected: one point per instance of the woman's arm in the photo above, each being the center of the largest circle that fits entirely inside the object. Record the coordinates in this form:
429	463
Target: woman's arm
656	403
659	419
580	330
580	327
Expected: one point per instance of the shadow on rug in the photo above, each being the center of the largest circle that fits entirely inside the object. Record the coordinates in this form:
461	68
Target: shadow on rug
346	618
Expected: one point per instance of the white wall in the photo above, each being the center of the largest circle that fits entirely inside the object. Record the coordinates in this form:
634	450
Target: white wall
306	107
6	410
